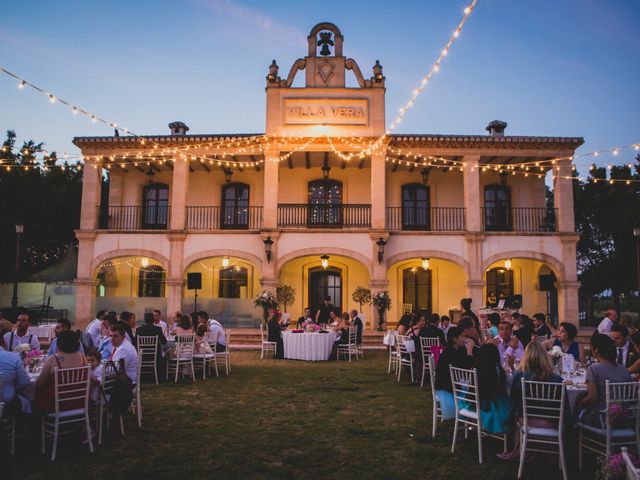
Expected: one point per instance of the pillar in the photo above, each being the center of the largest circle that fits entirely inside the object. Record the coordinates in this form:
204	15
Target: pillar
174	296
269	280
475	274
568	302
472	197
175	272
85	293
378	285
270	199
91	190
378	189
563	196
179	188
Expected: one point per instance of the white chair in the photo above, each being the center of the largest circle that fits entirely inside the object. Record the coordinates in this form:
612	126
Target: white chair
136	403
148	354
226	355
393	354
183	358
633	473
405	357
350	348
407	308
429	366
8	425
267	346
205	359
603	440
465	389
545	401
212	340
425	346
71	394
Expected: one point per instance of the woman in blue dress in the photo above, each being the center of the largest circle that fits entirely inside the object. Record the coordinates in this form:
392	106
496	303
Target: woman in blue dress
564	339
492	388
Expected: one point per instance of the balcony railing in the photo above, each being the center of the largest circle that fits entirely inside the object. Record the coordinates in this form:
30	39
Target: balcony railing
437	219
304	215
224	218
135	217
498	219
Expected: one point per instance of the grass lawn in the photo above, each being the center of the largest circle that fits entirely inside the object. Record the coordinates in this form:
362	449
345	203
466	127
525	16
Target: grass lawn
283	419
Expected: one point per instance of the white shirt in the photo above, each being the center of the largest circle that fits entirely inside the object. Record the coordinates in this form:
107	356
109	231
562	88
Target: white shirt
605	326
94	329
29	338
506	351
216	330
163	325
130	356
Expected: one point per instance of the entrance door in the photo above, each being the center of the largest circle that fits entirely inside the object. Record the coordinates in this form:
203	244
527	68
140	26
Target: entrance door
415	207
417	289
325	283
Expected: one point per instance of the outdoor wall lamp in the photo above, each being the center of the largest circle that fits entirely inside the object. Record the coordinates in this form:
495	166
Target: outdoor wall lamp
381	243
425	263
267	248
324	261
225	262
507	264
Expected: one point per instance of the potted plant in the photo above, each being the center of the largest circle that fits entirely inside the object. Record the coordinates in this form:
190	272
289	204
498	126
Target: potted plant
266	300
361	296
382	302
286	296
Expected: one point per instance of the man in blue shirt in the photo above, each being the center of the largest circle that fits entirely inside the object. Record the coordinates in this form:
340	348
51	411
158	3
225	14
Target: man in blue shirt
63	325
14	377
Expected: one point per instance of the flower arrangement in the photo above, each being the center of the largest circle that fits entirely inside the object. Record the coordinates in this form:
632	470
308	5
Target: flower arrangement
556	355
266	300
310	326
614	467
382	302
22	348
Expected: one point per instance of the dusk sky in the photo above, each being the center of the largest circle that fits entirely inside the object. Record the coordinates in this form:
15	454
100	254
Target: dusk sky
547	67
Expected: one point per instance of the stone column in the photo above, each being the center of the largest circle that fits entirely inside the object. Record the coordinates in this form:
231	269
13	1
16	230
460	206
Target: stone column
472	197
175	271
91	190
563	196
179	188
378	189
271	180
85	293
568	302
174	296
269	280
378	285
475	275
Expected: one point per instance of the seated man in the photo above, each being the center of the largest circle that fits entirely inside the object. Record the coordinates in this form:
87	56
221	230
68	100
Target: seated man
431	330
305	318
63	325
216	329
21	335
151	329
508	345
540	327
123	350
94	329
14	377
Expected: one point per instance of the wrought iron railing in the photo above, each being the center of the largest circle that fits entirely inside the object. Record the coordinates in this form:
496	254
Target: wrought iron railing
135	217
304	215
223	218
438	219
521	219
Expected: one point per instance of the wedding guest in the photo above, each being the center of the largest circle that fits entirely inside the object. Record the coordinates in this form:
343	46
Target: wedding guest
149	329
324	311
97	371
125	352
5	325
202	345
633	326
515	320
469	330
492	387
306	317
445	325
493	320
534	367
403	324
275	334
417	323
458	354
540	327
525	331
94	329
334	319
604	351
158	322
63	325
174	323
608	321
14	377
626	353
105	347
564	339
356	321
67	356
217	330
21	334
510	348
465	303
431	330
491	299
127	321
184	327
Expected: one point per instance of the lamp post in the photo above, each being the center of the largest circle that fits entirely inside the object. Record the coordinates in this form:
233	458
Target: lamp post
636	233
14	298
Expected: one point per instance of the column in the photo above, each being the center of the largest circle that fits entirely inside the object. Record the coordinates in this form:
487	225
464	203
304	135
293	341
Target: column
475	275
270	200
378	285
269	280
91	190
85	292
179	188
472	197
563	196
379	280
378	189
175	272
568	302
174	296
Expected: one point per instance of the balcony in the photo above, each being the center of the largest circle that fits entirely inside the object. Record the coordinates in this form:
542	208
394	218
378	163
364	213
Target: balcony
437	219
223	218
519	219
304	215
135	217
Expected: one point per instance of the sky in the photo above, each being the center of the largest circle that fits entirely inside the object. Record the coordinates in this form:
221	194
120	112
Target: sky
547	67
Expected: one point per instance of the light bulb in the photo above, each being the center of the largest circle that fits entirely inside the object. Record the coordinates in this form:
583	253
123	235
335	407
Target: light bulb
507	264
22	84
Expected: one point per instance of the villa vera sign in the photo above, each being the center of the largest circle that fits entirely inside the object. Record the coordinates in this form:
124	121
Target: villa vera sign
327	111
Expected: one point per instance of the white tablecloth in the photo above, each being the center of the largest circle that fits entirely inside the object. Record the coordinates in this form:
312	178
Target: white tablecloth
312	347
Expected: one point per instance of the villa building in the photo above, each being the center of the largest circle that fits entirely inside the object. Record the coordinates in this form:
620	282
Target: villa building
325	202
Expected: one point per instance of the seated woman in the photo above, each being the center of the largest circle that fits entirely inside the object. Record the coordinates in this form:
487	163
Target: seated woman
492	388
564	339
14	377
459	353
67	356
403	324
202	346
275	334
185	326
604	351
493	320
535	366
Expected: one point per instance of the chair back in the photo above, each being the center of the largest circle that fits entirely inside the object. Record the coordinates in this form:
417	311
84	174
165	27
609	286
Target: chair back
147	348
626	396
426	343
401	348
430	365
633	473
71	387
185	346
465	387
541	338
353	335
212	340
227	338
262	332
407	308
543	400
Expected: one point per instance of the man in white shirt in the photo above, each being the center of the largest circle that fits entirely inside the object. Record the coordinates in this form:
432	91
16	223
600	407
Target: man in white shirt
94	329
217	331
21	334
123	350
158	322
508	345
607	322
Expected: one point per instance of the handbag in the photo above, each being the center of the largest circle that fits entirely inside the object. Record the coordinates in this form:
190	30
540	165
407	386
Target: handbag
410	346
122	390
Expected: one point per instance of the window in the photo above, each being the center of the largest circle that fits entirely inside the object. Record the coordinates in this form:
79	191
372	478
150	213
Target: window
233	282
500	282
415	207
151	281
155	206
325	283
235	206
497	207
325	203
417	289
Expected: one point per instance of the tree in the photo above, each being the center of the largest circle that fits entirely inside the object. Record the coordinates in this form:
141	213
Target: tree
361	296
286	295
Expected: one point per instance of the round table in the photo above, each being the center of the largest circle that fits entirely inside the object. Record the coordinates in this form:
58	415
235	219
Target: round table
312	347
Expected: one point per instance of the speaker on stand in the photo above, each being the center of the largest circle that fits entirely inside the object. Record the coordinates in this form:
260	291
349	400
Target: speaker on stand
194	282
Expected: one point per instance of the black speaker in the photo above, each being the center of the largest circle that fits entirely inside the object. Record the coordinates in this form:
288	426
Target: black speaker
194	281
546	283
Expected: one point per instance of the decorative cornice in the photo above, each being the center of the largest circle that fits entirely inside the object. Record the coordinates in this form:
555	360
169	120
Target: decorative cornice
488	141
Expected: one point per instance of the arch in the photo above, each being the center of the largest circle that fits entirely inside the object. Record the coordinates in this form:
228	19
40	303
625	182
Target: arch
220	253
128	252
317	251
325	26
555	264
461	262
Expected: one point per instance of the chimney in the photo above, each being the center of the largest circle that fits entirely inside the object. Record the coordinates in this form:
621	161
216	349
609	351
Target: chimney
178	128
496	128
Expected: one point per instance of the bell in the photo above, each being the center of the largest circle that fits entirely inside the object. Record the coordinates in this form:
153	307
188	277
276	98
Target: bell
325	52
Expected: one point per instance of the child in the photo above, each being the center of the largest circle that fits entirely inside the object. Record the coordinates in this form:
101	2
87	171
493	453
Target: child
94	358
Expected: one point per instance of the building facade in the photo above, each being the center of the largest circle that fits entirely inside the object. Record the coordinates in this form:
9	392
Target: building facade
325	202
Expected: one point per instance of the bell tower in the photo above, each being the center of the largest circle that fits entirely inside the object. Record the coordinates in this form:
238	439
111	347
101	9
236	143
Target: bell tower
325	63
